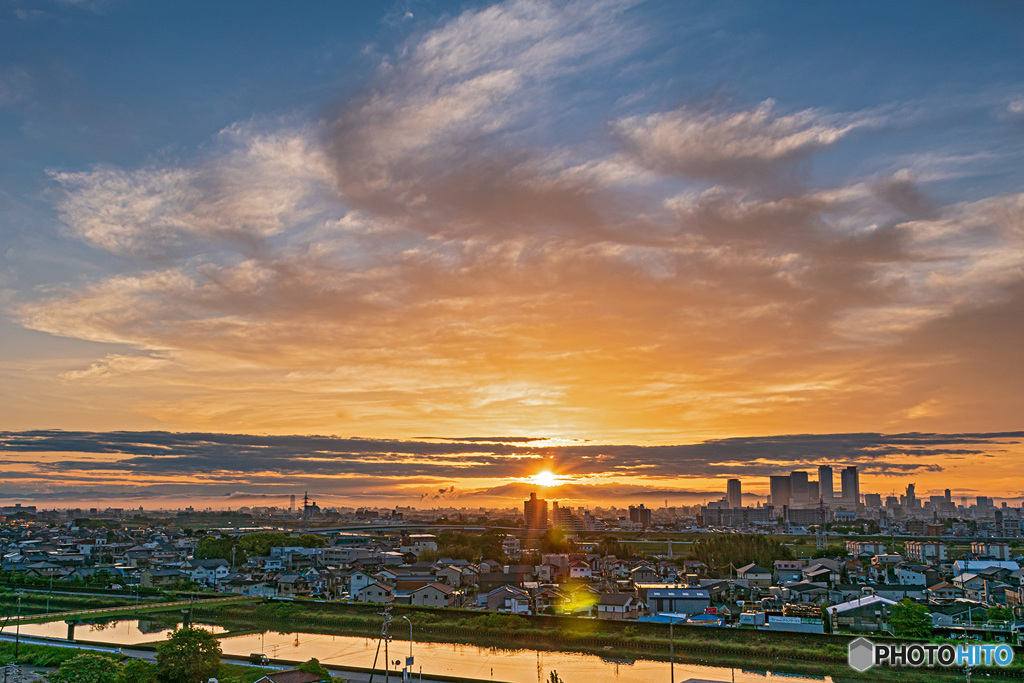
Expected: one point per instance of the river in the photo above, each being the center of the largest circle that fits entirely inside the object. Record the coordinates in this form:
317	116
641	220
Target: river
518	666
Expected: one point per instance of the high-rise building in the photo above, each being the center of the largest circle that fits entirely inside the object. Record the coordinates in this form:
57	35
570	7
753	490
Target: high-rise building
910	502
535	513
813	493
734	493
798	489
949	496
825	483
850	480
291	504
640	515
778	487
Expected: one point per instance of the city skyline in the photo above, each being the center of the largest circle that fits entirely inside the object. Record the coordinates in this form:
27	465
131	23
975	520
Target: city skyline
437	250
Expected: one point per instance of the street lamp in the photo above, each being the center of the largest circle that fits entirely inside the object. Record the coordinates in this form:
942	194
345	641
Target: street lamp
407	671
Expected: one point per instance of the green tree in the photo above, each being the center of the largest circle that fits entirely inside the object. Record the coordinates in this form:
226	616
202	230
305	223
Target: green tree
739	549
137	671
910	620
86	668
554	541
313	666
998	614
836	551
189	655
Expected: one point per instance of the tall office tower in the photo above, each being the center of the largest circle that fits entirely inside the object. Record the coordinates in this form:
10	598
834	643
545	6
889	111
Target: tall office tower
798	490
911	501
291	504
535	513
949	497
825	483
778	487
813	492
734	493
640	515
850	480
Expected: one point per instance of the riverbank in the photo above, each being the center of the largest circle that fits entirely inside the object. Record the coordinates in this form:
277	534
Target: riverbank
795	653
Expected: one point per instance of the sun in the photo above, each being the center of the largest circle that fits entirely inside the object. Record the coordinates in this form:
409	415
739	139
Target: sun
545	478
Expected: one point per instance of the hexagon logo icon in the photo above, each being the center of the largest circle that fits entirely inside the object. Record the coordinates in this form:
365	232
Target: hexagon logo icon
861	655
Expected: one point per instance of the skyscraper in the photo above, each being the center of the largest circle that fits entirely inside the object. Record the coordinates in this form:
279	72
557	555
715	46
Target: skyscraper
850	479
535	513
825	483
734	493
798	489
911	499
778	487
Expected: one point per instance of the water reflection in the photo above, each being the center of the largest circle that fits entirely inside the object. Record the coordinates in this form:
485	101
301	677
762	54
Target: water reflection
518	666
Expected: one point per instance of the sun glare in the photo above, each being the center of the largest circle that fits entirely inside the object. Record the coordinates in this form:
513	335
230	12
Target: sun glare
545	478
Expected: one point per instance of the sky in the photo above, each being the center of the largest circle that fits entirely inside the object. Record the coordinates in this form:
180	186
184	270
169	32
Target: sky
423	250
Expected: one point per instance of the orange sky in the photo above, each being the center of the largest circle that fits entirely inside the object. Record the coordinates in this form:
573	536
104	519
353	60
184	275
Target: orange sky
518	223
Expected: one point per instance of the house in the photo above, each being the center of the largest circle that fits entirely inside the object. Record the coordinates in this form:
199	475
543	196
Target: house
357	580
376	592
916	574
208	572
955	614
433	595
943	592
579	570
511	599
643	574
418	543
671	600
619	606
449	575
787	571
755	575
151	578
869	614
291	584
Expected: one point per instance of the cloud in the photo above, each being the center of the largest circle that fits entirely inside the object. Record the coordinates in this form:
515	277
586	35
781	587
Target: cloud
258	186
422	260
735	147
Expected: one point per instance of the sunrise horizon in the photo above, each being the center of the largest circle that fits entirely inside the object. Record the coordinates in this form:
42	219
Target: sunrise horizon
656	245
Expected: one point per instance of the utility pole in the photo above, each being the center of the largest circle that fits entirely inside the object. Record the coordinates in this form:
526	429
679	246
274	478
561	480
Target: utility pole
17	632
671	649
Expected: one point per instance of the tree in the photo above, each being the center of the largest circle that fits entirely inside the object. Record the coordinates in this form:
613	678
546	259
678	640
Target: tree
189	655
555	678
86	668
313	666
137	671
910	620
739	549
998	614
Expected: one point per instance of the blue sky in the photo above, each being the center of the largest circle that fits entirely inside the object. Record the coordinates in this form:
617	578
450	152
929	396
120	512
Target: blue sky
627	222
